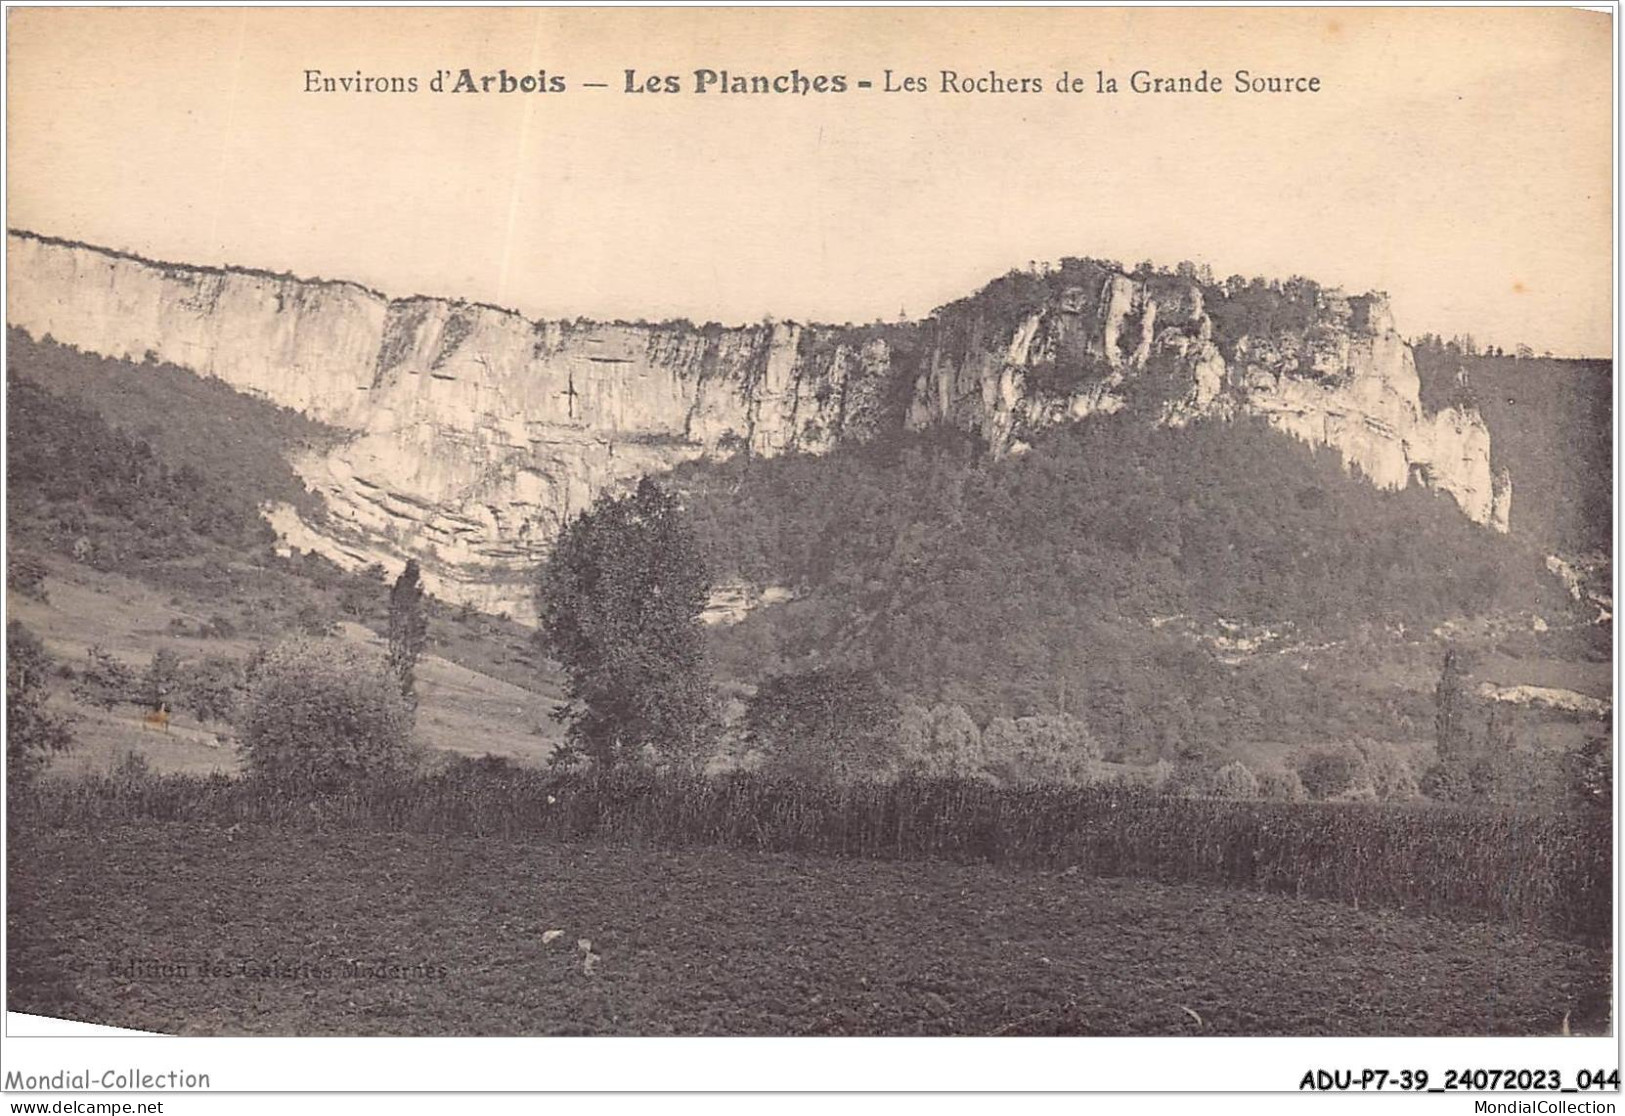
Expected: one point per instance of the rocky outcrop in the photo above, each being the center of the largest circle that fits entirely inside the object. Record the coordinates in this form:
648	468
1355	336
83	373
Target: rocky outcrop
1343	379
1587	579
1566	701
477	432
733	601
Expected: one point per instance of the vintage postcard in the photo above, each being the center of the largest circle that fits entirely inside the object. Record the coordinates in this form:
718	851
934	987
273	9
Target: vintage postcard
786	522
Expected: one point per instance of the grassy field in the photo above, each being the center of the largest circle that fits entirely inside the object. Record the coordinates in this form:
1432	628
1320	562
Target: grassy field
464	710
200	930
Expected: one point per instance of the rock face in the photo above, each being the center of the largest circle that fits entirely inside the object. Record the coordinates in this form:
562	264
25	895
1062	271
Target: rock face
1343	379
477	432
1566	700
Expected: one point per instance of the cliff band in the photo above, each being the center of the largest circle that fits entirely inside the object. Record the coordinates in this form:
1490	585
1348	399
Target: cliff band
476	432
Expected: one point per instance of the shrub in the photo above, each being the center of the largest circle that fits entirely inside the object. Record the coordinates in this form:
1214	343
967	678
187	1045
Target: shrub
1178	780
162	679
314	621
131	771
1161	776
1233	780
1591	775
1359	791
829	724
33	732
1389	773
1280	784
322	715
1329	772
1448	782
941	742
213	688
218	627
1052	748
104	680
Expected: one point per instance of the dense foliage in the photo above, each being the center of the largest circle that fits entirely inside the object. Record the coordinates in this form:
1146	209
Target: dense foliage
34	732
1288	311
618	603
240	442
72	476
826	724
408	628
1042	583
323	715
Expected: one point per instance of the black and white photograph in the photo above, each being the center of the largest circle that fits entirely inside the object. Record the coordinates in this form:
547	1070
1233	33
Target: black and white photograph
800	522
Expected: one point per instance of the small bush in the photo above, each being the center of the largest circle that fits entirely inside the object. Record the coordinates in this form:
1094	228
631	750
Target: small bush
322	715
104	680
1329	772
213	688
131	772
218	627
1389	773
1233	780
1591	776
316	621
161	682
1448	782
1280	784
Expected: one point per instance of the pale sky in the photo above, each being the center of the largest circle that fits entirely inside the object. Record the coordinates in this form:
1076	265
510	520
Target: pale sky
1458	158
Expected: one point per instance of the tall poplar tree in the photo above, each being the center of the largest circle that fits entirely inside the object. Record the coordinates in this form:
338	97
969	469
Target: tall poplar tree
408	628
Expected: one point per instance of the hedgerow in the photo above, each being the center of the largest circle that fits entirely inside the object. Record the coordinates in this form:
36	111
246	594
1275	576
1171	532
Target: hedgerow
1540	871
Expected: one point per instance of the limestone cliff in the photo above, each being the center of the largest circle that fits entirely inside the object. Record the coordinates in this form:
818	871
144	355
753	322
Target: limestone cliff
477	432
1339	375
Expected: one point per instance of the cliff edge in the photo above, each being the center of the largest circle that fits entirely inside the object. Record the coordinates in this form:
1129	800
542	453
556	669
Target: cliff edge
478	432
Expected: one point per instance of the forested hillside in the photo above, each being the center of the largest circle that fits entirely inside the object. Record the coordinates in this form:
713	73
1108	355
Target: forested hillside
1072	578
239	442
153	472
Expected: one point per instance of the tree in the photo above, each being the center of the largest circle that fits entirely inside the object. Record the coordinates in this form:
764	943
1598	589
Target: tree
1450	731
26	574
829	724
1388	772
1048	748
618	603
1329	772
324	714
162	679
104	680
1448	783
214	688
408	629
33	732
1281	784
941	742
1234	780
